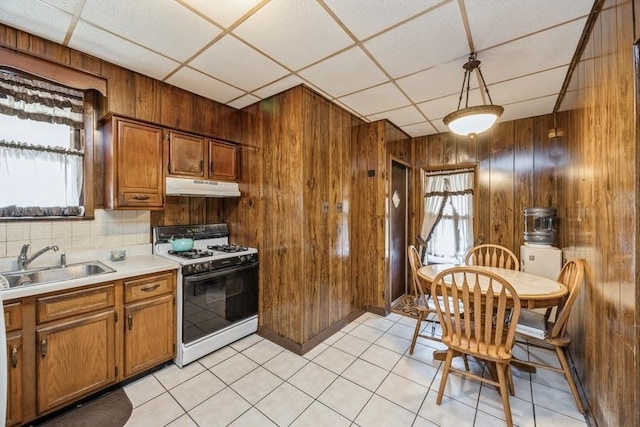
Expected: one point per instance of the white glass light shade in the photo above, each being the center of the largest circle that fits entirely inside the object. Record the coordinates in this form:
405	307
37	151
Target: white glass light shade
473	120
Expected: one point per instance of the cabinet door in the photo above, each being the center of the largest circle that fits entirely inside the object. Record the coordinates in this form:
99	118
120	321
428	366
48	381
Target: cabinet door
186	155
74	358
140	182
149	334
223	161
14	380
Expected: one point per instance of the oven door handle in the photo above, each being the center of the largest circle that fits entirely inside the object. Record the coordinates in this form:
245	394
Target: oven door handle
220	272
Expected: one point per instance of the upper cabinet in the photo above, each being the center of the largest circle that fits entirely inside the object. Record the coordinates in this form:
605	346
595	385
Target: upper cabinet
186	155
133	164
223	161
195	156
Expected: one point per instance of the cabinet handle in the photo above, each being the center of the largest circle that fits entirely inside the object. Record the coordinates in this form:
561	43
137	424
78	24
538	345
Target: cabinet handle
150	288
130	321
211	167
14	357
141	197
43	347
201	166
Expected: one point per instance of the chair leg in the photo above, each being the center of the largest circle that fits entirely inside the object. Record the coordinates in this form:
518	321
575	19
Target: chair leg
417	331
466	362
567	374
504	392
445	374
512	388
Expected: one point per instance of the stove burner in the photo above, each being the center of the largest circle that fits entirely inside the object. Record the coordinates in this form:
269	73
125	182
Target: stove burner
228	248
192	254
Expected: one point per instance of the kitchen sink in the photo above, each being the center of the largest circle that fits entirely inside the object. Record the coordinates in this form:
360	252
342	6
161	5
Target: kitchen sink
38	276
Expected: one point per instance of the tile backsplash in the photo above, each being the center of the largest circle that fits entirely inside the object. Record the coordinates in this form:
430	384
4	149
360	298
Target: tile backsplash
108	229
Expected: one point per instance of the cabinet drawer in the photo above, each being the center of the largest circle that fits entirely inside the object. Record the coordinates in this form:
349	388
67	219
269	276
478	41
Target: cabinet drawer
147	287
13	316
141	199
73	303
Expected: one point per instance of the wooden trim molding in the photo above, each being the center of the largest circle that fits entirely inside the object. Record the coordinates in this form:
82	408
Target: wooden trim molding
52	71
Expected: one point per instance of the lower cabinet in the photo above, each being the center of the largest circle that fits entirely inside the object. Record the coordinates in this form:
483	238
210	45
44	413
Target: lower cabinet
147	339
64	346
14	380
75	358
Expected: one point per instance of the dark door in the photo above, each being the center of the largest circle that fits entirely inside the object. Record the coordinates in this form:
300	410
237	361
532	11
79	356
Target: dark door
398	210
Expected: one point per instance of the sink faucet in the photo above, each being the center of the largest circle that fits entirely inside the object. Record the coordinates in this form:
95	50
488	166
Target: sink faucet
23	261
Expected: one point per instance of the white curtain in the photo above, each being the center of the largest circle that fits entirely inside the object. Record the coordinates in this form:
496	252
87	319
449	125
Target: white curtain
447	226
39	176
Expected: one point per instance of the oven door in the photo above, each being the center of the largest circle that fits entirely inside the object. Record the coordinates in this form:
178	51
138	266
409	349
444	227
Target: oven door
215	300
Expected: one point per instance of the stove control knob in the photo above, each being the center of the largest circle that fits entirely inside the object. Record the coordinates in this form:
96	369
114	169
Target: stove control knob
198	267
206	266
243	258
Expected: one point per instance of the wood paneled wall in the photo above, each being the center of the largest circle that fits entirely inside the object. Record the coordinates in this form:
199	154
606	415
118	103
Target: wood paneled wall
134	95
516	167
298	162
373	146
598	175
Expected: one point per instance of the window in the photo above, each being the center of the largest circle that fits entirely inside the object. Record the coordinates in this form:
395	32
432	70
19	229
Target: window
41	147
447	226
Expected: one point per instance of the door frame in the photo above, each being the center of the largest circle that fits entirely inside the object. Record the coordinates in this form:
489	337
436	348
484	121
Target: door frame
408	221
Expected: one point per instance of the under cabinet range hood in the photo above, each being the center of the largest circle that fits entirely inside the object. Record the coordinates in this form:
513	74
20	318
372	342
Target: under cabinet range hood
200	188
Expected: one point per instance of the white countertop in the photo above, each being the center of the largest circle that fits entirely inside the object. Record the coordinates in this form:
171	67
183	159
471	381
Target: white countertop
139	261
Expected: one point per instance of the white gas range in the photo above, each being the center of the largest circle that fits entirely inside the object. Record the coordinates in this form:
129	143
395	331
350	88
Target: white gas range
217	288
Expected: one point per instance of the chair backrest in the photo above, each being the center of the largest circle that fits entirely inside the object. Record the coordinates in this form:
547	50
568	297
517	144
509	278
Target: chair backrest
571	275
414	261
491	307
490	255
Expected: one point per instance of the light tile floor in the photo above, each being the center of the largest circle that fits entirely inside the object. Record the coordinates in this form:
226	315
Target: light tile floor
361	376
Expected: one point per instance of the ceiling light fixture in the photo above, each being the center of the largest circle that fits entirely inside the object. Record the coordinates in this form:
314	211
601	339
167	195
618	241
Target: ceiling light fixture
472	120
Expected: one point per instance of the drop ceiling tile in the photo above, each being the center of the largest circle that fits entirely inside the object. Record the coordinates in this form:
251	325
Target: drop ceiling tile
365	18
527	55
94	41
295	33
223	12
438	108
400	117
243	101
71	6
436	82
529	108
196	82
419	129
36	18
347	72
278	86
377	99
532	86
435	38
513	23
232	61
164	26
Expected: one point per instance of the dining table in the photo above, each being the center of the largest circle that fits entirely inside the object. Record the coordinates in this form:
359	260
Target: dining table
534	292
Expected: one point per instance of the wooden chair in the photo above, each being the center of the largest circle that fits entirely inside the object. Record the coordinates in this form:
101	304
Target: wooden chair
490	255
486	332
537	331
424	302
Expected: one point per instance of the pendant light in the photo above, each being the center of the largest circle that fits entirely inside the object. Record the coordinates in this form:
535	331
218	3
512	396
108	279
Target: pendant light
472	120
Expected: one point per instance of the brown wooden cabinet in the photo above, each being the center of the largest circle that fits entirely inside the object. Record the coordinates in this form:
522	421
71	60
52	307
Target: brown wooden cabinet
64	346
187	156
74	358
134	177
223	161
195	156
150	336
75	344
14	379
15	363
